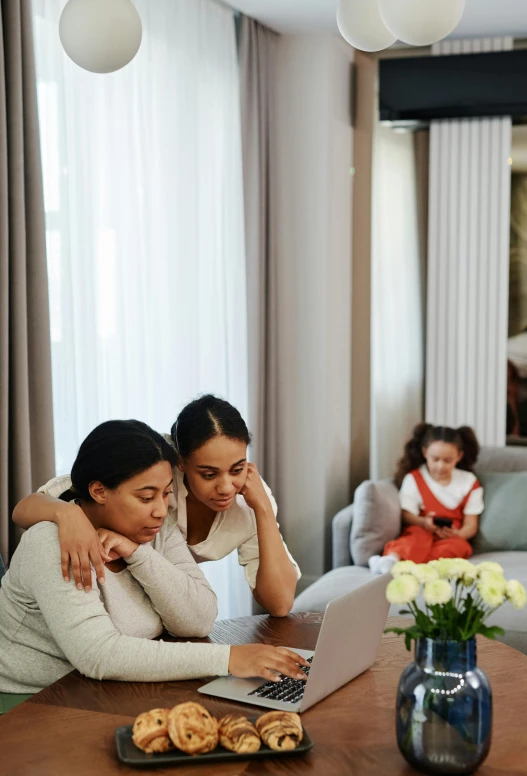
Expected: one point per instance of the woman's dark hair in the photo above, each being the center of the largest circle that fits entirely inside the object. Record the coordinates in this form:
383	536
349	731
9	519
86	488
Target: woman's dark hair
202	420
424	434
115	452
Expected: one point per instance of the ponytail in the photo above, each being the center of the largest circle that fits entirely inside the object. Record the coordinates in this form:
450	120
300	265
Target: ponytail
413	456
470	448
424	434
69	495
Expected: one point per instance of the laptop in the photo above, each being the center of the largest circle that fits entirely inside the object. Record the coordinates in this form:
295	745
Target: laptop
347	645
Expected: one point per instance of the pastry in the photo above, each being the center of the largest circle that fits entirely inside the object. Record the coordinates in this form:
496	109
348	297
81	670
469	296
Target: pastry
237	734
192	728
280	730
150	731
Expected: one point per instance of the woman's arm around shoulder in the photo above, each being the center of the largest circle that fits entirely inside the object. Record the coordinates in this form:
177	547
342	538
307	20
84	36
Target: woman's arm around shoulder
78	539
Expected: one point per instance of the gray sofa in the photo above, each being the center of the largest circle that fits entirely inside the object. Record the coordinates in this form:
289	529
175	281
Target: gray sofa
361	530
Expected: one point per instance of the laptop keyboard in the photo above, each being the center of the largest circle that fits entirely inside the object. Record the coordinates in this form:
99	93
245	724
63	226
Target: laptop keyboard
288	690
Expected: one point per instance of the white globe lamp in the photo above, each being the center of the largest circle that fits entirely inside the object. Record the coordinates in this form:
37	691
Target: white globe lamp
100	35
361	25
421	22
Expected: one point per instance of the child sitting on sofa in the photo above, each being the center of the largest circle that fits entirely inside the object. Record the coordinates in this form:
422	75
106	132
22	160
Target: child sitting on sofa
441	499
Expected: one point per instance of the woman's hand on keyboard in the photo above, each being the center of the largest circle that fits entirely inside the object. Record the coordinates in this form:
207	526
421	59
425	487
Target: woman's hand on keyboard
265	661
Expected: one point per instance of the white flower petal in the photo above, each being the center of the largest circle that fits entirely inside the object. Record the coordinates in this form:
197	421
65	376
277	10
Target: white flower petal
402	567
403	589
516	594
489	565
492	595
437	592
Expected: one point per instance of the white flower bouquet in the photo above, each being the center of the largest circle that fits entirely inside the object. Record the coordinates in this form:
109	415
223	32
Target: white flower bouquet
459	597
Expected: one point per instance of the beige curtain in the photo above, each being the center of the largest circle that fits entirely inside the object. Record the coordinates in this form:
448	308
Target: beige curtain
518	256
26	420
257	58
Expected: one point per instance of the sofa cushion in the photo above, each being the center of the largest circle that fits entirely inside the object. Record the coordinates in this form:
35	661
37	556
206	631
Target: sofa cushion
501	459
503	524
341	531
376	519
332	585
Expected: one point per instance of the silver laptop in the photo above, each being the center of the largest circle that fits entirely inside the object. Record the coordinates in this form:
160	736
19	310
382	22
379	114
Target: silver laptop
347	646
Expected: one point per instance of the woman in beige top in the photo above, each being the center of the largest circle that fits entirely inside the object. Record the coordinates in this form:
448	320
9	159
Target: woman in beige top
219	501
121	482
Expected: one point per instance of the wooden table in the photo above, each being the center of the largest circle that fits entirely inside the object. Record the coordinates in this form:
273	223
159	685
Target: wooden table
68	728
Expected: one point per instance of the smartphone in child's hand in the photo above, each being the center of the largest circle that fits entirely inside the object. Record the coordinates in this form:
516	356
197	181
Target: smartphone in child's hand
443	522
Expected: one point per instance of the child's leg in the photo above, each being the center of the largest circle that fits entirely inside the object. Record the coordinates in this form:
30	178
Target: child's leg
415	544
455	547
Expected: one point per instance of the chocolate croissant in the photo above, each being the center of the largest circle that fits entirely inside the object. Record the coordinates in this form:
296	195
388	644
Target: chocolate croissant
237	734
280	730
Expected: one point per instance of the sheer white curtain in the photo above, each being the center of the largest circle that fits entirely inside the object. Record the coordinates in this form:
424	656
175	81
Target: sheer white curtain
143	192
396	300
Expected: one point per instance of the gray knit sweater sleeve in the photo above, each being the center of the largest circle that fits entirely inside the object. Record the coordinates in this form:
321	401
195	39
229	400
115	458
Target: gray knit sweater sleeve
82	629
175	585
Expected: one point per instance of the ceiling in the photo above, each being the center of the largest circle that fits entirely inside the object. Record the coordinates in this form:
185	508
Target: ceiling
481	18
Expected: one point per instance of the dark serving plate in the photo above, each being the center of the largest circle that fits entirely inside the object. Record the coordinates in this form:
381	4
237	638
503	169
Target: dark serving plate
128	753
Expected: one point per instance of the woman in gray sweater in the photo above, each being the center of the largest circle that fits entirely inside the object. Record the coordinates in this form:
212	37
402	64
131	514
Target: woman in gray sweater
122	480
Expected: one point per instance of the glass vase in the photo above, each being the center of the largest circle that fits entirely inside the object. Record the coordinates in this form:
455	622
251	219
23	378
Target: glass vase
444	708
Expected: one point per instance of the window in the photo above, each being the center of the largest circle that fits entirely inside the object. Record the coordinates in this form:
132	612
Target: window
144	208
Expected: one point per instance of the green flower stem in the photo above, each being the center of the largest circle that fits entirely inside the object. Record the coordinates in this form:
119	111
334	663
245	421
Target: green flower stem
457	591
473	610
479	613
484	615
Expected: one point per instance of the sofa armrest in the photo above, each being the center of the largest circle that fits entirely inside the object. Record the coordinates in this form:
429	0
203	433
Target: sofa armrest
341	530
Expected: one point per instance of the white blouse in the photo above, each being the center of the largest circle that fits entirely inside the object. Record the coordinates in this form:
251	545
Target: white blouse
234	529
450	495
